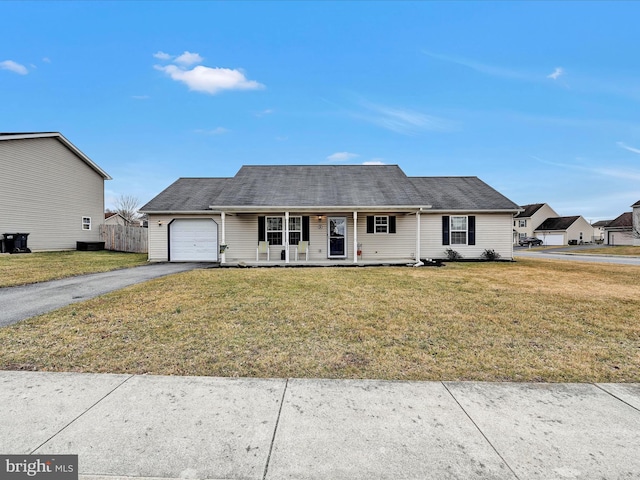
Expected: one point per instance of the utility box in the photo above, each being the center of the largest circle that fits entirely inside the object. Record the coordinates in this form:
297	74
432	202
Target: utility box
15	243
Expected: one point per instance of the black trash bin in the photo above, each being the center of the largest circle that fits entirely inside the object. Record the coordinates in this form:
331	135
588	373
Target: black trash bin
15	243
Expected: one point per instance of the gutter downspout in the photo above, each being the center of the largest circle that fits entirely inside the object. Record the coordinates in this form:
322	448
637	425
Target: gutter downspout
355	237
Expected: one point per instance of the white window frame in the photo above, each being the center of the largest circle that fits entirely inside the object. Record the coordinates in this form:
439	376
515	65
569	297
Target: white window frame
458	230
381	224
292	220
86	223
272	231
522	223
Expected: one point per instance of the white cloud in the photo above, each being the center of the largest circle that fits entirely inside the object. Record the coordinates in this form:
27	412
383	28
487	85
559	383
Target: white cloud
341	156
267	111
406	122
556	73
188	58
215	131
374	161
627	147
481	67
46	60
162	56
13	67
210	80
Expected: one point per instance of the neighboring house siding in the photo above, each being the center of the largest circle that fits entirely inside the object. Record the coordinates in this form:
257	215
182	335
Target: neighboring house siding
636	225
532	222
46	190
493	232
580	226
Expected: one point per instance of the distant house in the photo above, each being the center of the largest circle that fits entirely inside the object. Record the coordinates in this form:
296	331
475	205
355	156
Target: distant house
599	230
529	218
564	231
113	218
636	223
330	214
49	189
620	230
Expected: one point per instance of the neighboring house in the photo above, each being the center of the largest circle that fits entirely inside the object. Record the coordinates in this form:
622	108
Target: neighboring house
49	189
599	230
342	213
636	223
564	231
620	230
113	218
530	217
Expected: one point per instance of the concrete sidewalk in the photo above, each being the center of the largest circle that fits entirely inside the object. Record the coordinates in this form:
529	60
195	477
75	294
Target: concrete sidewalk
220	428
20	303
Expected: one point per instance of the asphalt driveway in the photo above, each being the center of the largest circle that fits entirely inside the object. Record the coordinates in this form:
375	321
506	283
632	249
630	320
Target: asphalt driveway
20	303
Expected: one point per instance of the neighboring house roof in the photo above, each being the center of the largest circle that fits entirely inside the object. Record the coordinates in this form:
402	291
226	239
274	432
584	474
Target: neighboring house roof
529	210
637	204
108	215
623	221
557	223
374	186
602	223
63	140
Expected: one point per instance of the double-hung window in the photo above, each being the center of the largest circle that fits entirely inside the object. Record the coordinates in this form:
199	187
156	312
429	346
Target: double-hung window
295	230
522	223
458	230
274	230
86	223
381	224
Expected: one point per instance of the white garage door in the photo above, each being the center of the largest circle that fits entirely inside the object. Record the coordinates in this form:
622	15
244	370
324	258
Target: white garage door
556	239
193	240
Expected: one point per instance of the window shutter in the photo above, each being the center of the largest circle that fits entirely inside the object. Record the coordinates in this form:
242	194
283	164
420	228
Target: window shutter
445	229
370	222
392	224
472	229
261	229
305	229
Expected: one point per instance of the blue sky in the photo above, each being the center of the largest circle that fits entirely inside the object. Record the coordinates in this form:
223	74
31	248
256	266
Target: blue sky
539	99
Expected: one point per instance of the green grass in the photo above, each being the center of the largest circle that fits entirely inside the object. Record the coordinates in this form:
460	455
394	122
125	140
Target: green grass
21	269
532	320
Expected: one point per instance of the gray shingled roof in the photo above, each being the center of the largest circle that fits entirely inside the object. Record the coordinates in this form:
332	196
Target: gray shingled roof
623	221
529	210
328	186
187	195
460	193
557	223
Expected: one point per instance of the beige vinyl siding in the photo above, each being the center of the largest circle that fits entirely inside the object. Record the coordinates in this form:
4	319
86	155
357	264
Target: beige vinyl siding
46	190
493	231
158	232
580	225
388	246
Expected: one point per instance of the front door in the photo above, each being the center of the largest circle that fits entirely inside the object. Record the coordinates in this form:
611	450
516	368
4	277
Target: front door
337	237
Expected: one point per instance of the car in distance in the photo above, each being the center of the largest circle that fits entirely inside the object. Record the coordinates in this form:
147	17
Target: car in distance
530	242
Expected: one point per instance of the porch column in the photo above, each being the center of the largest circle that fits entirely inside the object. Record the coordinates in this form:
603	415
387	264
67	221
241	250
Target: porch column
223	234
355	237
286	237
418	236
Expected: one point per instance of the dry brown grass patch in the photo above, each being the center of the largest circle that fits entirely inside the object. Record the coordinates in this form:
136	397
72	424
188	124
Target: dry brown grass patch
526	321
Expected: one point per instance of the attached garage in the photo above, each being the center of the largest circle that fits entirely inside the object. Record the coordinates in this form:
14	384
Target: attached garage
552	239
193	240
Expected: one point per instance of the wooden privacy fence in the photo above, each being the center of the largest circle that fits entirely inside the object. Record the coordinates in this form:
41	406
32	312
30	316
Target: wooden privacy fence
124	239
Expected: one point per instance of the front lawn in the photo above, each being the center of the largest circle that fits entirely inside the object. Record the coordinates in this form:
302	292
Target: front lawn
24	268
532	320
615	250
